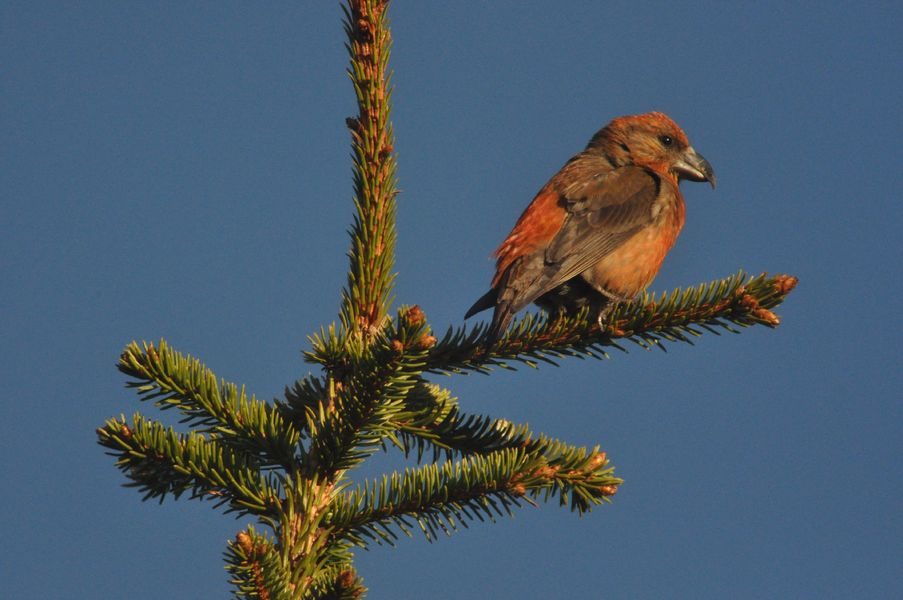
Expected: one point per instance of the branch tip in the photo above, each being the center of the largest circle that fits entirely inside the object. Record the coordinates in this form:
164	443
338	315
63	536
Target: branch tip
784	284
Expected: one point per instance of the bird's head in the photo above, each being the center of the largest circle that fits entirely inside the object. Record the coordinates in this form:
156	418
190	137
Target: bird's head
654	141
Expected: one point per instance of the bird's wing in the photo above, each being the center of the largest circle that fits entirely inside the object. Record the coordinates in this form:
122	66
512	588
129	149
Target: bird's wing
600	217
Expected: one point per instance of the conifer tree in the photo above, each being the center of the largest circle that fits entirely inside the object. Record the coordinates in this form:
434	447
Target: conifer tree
287	464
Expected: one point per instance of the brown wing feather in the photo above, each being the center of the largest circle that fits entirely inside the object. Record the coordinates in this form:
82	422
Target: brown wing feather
608	212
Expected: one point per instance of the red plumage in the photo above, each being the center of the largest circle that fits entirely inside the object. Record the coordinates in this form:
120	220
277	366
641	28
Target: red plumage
598	231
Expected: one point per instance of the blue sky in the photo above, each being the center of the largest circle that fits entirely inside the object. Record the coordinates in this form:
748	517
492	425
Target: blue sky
181	170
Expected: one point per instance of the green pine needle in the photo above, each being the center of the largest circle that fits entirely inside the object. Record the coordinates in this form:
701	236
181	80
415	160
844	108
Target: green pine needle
723	305
160	462
176	381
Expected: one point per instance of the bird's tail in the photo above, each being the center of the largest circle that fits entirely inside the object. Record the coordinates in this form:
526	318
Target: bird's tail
487	300
500	317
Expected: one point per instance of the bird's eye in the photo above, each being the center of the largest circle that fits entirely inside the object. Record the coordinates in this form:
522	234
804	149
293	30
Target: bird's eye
666	140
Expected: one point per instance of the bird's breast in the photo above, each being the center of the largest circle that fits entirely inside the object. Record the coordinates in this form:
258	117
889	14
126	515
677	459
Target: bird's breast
629	268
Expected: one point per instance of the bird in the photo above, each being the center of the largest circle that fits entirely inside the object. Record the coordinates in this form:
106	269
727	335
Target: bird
598	231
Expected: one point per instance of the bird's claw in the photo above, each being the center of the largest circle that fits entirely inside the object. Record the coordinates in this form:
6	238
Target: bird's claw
603	315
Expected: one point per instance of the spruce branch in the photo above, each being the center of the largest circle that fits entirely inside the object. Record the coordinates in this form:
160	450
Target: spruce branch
304	397
369	395
434	497
176	381
338	583
367	296
678	316
308	551
256	569
160	461
434	421
260	569
429	421
439	497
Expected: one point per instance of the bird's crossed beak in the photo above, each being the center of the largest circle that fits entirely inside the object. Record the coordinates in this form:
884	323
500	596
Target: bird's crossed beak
693	166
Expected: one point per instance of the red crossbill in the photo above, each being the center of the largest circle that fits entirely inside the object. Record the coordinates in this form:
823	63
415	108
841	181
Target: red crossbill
596	234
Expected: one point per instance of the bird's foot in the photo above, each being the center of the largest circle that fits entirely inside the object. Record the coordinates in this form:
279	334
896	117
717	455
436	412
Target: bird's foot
604	314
